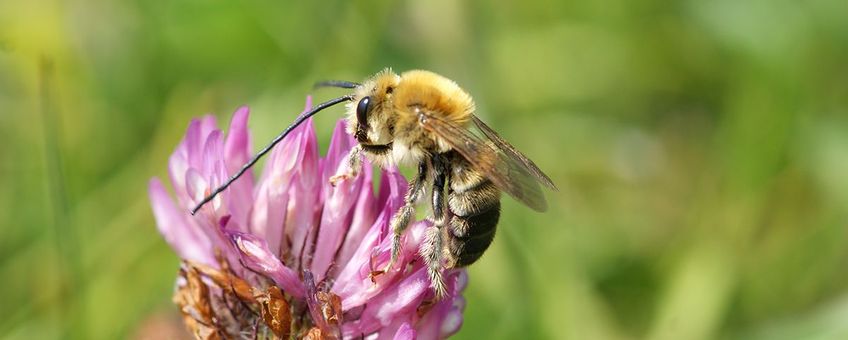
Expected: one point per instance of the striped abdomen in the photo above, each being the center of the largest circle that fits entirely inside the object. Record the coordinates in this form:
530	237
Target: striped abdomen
475	207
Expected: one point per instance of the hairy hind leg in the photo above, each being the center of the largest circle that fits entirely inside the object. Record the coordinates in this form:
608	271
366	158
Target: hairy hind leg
431	252
433	247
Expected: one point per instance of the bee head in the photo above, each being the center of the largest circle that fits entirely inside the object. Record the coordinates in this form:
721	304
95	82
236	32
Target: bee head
370	118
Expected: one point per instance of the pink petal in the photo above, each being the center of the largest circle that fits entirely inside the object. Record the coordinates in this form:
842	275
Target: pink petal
306	107
404	297
270	210
338	203
304	196
364	215
286	207
405	332
268	216
308	159
354	283
194	140
177	167
393	187
398	302
301	221
255	255
237	144
400	328
236	153
212	163
196	187
181	234
340	145
445	318
208	124
288	155
196	137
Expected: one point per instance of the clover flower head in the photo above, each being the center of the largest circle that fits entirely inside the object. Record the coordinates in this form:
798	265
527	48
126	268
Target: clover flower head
288	254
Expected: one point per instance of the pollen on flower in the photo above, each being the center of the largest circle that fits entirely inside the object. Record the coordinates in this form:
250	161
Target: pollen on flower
287	254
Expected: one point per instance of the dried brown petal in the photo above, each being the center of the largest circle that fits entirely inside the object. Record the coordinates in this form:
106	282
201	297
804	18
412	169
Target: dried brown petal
199	294
227	280
276	312
207	333
315	334
231	315
331	308
192	297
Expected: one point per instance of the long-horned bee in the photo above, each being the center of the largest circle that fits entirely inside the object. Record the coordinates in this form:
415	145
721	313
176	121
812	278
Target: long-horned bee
422	119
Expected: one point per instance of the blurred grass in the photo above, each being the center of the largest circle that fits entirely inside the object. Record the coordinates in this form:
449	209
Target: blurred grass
701	149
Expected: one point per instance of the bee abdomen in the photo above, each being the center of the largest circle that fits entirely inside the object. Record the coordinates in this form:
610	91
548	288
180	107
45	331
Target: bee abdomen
475	211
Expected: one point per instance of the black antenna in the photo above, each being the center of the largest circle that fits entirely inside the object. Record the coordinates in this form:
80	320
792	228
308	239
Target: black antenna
337	83
268	148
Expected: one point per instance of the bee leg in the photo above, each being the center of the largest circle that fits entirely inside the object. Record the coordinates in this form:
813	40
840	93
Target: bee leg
433	246
401	219
354	165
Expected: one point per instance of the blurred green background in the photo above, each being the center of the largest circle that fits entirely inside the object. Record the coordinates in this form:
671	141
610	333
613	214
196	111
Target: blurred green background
700	147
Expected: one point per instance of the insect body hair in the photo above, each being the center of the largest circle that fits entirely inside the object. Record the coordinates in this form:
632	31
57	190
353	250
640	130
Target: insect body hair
397	104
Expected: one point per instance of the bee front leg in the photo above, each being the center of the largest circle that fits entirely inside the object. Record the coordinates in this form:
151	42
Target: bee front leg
354	165
402	218
433	245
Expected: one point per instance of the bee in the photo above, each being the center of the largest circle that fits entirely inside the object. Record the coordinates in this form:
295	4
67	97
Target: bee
419	118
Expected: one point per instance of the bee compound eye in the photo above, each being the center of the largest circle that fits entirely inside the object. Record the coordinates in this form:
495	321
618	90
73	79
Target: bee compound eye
362	111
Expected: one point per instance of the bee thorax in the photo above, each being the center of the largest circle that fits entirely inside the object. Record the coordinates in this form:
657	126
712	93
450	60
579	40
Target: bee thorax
406	154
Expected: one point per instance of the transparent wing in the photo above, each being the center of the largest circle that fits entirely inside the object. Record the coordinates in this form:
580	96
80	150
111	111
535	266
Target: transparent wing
496	159
513	153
